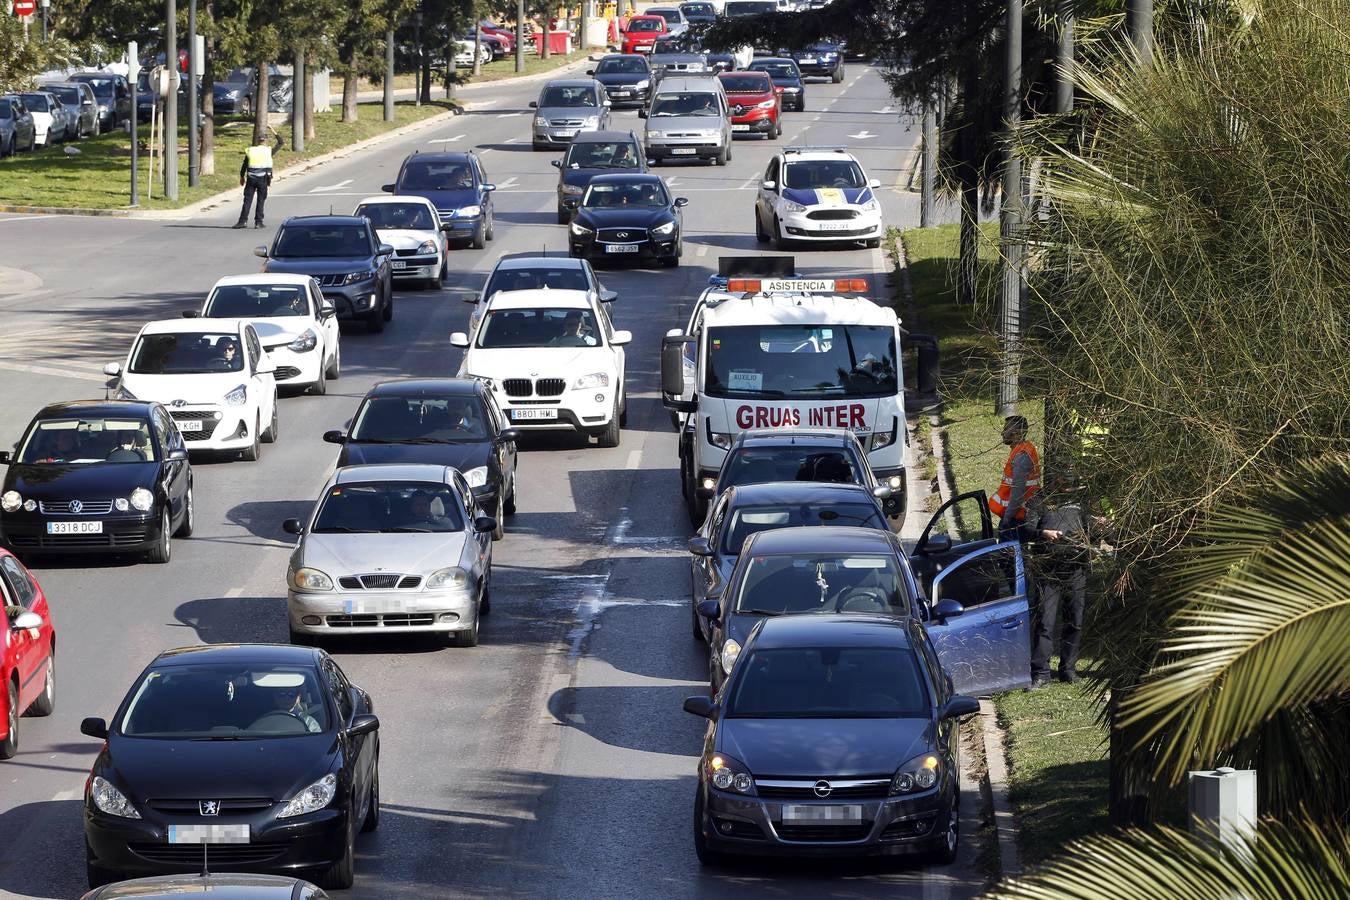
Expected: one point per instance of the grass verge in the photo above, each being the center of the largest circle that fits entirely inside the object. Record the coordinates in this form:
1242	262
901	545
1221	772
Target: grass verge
98	177
499	70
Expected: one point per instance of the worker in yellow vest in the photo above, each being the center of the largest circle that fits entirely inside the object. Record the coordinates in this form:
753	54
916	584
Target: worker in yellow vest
255	177
1021	479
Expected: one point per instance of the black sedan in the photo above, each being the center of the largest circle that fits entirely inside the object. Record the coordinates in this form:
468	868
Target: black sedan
344	254
444	421
785	75
627	217
594	153
836	736
97	476
265	753
821	59
626	76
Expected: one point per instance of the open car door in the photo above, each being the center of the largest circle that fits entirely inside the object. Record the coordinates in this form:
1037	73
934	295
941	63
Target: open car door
960	525
987	649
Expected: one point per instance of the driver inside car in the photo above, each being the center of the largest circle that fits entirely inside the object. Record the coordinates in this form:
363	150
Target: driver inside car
290	699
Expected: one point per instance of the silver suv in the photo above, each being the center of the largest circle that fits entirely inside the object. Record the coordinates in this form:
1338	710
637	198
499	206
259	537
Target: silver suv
688	118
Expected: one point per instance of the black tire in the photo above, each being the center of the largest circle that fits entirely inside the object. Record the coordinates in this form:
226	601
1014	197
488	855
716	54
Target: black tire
500	531
706	856
467	638
613	434
563	217
872	243
779	240
341	874
479	240
722	156
387	311
320	387
372	819
944	848
253	452
838	75
32	141
273	428
97	875
509	505
10	745
623	411
490	229
698	628
189	515
45	704
761	235
163	549
375	322
334	370
437	281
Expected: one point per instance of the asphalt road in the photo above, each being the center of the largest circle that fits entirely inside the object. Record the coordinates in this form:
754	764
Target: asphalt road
554	758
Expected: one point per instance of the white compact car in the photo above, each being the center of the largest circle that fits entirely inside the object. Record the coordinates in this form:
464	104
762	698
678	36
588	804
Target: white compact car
297	325
213	376
817	194
413	227
388	549
554	361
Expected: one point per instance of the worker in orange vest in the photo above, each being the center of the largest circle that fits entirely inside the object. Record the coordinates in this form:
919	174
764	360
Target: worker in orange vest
1021	479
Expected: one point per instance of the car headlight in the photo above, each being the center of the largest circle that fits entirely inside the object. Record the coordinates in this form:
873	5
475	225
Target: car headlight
766	104
730	651
232	95
142	499
110	800
426	247
121	504
593	380
238	396
11	501
644	83
720	439
792	207
919	774
306	579
311	799
871	205
305	342
103	107
123	394
540	121
728	774
476	477
895	482
572	189
468	212
792	90
451	577
664	229
656	135
581	230
353	277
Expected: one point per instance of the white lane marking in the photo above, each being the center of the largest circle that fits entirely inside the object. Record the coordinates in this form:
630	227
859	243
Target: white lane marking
749	183
507	184
54	372
634	457
885	110
332	187
683	190
328	194
67	795
862	135
513	140
449	140
28	218
670	182
235	592
702	250
510	115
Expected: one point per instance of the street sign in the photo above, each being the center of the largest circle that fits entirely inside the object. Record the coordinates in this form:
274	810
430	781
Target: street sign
25	7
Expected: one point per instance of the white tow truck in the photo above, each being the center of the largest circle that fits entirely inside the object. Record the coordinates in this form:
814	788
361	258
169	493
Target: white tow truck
765	348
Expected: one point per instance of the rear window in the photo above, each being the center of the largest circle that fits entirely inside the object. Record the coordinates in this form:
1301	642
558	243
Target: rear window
601	155
321	241
758	465
36	102
622	65
398	216
551	277
67	94
581	96
776	69
749	520
258	301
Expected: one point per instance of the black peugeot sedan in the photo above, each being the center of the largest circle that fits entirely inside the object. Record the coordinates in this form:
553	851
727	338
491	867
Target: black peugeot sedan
97	476
594	153
627	217
785	75
345	255
267	753
444	421
837	736
626	76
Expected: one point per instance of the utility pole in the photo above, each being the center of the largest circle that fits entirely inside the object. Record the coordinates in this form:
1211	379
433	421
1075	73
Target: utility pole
298	102
170	130
194	61
134	73
928	164
389	75
1139	14
1010	295
1064	59
417	41
520	35
45	5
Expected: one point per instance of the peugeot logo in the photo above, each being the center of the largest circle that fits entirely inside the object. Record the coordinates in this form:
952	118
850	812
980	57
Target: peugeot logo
209	807
178	403
821	789
622	234
76	506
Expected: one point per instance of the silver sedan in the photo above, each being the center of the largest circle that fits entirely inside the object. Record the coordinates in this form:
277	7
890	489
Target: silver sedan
391	549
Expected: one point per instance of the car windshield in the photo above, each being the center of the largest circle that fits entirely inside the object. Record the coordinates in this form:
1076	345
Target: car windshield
226	703
36	102
312	241
747	520
5	111
421	420
552	277
621	65
823	583
823	173
698	103
237	76
102	87
614	194
186	353
388	507
87	440
670	15
257	301
802	361
654	24
601	155
67	94
748	8
698	9
829	683
506	328
742	83
398	216
759	465
775	70
425	175
569	97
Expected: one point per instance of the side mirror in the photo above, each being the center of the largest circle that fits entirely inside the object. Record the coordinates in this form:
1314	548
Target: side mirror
484	524
621	338
266	366
260	251
190	314
26	620
710	610
364	724
459	339
386	249
506	435
447	227
4	458
571	202
608	296
590	71
874	182
178	454
959	705
534	105
606	104
489	188
681	202
947	609
292	526
936	543
769	185
882	492
672	366
334	437
556	163
699	546
326	309
94	727
701	706
387	188
112	369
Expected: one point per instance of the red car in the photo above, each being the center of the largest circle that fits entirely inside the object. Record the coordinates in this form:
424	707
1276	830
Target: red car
756	103
641	33
506	34
28	665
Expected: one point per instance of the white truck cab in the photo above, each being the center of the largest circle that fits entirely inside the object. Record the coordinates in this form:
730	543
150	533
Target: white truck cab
772	350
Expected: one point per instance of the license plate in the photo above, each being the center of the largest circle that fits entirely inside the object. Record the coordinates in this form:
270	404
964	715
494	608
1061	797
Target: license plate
740	127
209	834
621	248
566	132
836	226
74	527
397	264
619	93
683	151
520	415
807	61
190	425
823	815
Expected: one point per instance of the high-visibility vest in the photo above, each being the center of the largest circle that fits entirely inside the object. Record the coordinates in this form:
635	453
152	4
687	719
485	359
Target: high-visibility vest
999	502
259	157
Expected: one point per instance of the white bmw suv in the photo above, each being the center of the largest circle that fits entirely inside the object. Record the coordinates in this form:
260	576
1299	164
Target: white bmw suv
817	194
213	376
554	360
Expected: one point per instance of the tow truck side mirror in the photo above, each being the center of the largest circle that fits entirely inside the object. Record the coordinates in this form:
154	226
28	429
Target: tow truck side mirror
672	373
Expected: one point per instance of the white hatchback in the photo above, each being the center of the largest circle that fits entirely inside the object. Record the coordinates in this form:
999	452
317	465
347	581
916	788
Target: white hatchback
213	376
413	227
297	325
817	194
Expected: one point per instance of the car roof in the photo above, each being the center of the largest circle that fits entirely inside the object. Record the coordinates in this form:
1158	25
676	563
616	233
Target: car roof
96	408
278	654
420	387
568	82
793	154
323	220
188	326
672	83
538	262
626	178
265	278
771	59
777	437
596	137
394	472
221	886
840	630
379	199
798	492
813	539
812	310
439	156
540	298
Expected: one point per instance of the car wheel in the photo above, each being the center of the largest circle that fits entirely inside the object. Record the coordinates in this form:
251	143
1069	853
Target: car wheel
375	323
10	745
334	370
698	626
872	243
467	638
163	548
721	158
490	230
437	281
944	848
372	820
246	107
387	311
479	240
563	217
32	142
779	240
500	531
341	874
623	411
509	507
698	506
319	387
273	430
96	875
45	704
485	605
189	516
760	234
838	75
706	856
610	437
253	451
729	150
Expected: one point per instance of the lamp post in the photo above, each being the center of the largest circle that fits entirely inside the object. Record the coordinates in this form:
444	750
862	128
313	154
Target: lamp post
194	61
1010	300
389	75
134	75
45	4
520	35
171	101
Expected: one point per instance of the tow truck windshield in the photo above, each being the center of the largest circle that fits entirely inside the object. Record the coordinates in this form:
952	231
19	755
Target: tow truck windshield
801	361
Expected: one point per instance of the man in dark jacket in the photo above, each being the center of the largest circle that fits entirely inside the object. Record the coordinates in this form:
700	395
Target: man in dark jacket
255	177
1060	527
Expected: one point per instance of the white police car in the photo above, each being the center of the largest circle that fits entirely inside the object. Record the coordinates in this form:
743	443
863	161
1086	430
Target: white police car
817	194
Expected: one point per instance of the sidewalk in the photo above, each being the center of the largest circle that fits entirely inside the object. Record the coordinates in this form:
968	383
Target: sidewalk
438	91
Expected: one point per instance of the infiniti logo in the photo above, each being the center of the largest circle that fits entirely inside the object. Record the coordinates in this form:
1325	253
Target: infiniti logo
76	506
822	789
209	807
621	234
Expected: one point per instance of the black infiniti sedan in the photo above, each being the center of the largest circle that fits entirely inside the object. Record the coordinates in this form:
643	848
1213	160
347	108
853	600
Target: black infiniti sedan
627	217
836	736
94	476
444	421
264	753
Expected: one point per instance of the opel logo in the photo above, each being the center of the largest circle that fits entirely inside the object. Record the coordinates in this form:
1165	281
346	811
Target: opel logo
822	789
209	807
178	403
76	506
